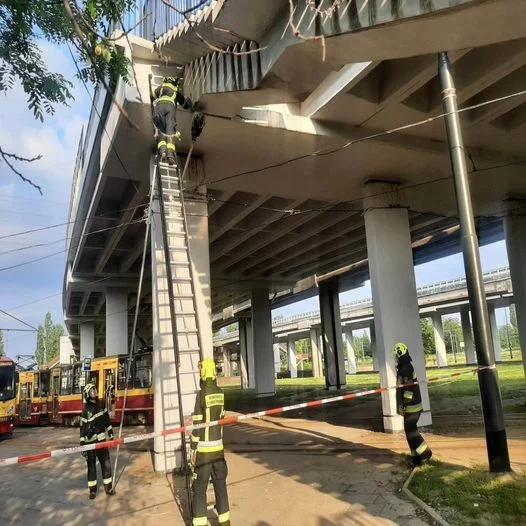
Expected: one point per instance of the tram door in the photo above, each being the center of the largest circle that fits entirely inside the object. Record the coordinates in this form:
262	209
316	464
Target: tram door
109	391
55	390
26	402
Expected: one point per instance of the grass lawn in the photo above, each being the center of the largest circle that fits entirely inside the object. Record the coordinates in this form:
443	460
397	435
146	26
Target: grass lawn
464	390
472	496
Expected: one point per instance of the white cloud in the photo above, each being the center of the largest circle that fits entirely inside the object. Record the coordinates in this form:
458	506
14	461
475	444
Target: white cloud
21	207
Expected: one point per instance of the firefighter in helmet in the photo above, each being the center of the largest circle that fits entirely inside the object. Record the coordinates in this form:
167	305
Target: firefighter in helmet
166	97
208	458
409	403
95	425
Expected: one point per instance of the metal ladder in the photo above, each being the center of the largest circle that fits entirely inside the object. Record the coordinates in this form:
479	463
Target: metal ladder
181	293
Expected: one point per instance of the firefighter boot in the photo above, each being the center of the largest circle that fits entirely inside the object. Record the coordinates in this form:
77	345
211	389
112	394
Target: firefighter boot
109	489
425	456
92	493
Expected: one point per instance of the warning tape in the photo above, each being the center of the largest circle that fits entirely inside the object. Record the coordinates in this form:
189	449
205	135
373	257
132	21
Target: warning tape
223	422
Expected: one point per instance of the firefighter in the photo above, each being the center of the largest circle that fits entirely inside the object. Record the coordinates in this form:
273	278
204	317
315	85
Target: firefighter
94	426
208	458
409	403
166	97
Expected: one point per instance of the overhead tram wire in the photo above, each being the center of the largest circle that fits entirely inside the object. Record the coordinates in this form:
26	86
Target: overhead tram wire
330	151
66	249
49	227
98	231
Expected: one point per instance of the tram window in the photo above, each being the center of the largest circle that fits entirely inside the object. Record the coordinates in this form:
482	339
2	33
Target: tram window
142	374
76	378
66	377
94	378
36	386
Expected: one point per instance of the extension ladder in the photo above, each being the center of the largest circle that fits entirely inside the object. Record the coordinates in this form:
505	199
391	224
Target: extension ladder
181	290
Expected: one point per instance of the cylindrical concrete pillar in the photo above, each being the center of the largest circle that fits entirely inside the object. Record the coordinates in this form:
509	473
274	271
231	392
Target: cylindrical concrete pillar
440	344
87	340
395	304
116	322
469	346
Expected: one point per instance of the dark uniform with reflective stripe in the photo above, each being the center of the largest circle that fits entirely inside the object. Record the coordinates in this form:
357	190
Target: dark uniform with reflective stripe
210	461
94	424
166	97
410	407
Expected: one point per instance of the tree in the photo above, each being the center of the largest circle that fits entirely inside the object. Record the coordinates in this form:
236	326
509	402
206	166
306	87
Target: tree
2	345
452	331
232	327
428	337
50	333
26	23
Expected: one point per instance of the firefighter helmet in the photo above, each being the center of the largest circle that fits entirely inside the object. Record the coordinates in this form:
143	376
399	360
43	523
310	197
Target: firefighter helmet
87	390
400	349
208	369
176	81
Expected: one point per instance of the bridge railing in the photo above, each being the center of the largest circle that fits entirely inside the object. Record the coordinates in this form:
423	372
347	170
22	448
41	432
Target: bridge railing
154	17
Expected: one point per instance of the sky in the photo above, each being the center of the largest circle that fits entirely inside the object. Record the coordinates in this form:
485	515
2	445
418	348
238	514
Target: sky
22	207
31	290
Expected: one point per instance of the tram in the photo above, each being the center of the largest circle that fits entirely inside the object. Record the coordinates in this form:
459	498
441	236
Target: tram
109	375
8	390
35	400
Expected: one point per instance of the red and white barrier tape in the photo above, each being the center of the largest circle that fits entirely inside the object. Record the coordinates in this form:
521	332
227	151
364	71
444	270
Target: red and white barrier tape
223	422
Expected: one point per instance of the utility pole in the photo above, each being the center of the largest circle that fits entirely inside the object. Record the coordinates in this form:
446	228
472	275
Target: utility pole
496	441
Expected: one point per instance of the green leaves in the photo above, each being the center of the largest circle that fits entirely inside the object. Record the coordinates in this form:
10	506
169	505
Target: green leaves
24	24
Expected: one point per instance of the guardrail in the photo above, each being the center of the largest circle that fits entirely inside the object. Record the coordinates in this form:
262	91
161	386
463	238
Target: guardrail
156	18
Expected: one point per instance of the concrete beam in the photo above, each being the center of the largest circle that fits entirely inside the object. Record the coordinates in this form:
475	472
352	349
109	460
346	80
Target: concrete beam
236	216
116	235
479	69
286	225
510	84
333	84
223	246
304	239
223	198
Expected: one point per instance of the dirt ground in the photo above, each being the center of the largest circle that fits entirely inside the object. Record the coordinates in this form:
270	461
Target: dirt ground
282	471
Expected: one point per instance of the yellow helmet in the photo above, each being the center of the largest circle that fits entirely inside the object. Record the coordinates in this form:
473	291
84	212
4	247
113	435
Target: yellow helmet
87	390
400	349
208	369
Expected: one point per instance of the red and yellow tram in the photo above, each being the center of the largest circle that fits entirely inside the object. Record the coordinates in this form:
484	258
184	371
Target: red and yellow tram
8	389
109	375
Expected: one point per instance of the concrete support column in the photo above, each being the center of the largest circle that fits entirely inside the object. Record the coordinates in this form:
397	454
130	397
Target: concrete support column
262	338
495	332
469	346
440	344
350	351
246	351
87	340
317	358
116	322
395	305
515	231
372	332
331	330
277	360
227	368
291	357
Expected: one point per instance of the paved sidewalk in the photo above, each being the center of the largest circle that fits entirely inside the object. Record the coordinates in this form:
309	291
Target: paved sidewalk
283	471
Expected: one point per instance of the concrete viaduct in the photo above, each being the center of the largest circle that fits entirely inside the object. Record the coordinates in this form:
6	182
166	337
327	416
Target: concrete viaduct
302	175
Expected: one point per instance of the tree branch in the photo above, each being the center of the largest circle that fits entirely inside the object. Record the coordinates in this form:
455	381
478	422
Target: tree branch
7	157
89	52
